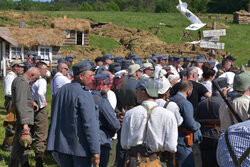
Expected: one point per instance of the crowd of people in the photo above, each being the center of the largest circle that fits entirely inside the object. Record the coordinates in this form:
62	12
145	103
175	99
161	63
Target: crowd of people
161	111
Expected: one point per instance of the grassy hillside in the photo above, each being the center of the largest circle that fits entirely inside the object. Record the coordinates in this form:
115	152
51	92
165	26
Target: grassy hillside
237	39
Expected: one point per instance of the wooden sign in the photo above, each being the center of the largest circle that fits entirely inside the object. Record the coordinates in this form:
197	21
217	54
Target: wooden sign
212	39
212	45
212	33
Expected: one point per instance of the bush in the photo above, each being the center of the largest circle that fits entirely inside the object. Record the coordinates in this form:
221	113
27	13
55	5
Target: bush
86	7
111	6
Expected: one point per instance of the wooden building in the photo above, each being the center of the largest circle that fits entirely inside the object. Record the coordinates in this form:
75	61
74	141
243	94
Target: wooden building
241	17
16	42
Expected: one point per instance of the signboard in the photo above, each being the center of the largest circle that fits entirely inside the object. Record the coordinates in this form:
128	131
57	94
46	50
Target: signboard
212	45
212	33
212	39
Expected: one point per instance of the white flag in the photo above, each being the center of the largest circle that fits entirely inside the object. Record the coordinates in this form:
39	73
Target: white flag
197	24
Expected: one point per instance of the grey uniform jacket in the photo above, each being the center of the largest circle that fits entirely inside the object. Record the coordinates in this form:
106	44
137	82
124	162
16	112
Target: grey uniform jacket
22	99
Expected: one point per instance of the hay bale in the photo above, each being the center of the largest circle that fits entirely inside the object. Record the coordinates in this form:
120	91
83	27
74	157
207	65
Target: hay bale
71	24
29	37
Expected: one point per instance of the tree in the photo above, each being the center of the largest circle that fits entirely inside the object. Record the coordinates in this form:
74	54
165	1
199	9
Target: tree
111	6
86	7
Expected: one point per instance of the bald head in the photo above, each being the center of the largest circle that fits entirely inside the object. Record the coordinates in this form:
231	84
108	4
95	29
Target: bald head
192	74
32	74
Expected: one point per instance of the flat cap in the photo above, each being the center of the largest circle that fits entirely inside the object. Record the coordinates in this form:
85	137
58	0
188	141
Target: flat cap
107	56
31	53
118	59
147	66
61	60
211	62
69	58
177	58
162	57
137	60
200	59
131	55
102	77
242	81
187	58
230	58
150	85
221	81
17	62
126	64
170	58
114	67
154	55
82	66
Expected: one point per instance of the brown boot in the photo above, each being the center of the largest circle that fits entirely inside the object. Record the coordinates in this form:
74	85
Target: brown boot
7	143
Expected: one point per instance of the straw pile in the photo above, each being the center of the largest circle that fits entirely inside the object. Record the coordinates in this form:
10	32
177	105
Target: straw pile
70	24
29	37
241	17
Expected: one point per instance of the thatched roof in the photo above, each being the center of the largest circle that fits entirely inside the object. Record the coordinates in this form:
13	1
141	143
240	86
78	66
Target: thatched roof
36	36
71	24
5	34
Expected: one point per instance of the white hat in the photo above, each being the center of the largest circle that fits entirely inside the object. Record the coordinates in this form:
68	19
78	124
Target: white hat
164	85
172	77
133	68
148	66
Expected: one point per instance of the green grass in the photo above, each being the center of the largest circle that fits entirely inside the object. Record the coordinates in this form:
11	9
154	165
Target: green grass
237	40
104	44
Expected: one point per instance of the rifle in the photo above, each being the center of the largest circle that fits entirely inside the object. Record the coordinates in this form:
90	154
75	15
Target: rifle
227	102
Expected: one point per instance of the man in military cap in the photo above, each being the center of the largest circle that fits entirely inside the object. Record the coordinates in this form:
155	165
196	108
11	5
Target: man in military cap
198	64
225	66
29	63
118	59
148	129
160	64
17	68
208	116
69	61
24	109
73	135
240	102
98	62
186	62
126	99
137	60
109	124
39	89
176	67
170	60
148	70
130	56
107	59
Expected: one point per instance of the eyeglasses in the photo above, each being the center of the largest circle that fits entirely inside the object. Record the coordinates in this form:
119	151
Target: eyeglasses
66	69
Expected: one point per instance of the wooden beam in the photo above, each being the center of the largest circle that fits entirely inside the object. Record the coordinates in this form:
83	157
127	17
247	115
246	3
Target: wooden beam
4	57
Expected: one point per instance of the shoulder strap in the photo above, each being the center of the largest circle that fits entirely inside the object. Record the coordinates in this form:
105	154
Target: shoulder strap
179	99
237	162
166	104
149	111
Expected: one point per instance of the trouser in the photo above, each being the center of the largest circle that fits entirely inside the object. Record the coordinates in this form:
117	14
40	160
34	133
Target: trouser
66	160
208	152
9	127
40	130
185	156
197	155
19	154
104	157
120	152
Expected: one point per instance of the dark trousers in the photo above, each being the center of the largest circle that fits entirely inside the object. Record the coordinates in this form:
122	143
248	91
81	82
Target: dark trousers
104	157
120	152
185	156
208	152
66	160
19	154
40	130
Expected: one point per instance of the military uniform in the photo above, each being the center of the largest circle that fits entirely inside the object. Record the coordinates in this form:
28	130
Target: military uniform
23	101
208	116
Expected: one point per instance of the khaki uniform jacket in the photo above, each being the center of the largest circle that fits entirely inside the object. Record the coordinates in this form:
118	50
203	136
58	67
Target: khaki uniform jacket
23	101
240	105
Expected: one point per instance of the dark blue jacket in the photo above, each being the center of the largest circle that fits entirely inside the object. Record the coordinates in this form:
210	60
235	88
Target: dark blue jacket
187	113
109	124
74	122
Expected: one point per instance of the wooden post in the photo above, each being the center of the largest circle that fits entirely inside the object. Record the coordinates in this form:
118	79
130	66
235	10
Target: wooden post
214	28
4	57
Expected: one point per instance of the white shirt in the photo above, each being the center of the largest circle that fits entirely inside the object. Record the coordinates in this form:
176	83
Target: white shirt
208	85
158	68
58	81
8	79
173	107
175	71
112	98
162	131
39	89
200	72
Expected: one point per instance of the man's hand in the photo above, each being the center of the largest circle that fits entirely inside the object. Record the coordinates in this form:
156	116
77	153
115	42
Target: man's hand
95	159
26	128
36	108
45	103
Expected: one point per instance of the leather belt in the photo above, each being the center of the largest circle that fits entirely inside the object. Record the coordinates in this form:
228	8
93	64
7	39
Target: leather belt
150	155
